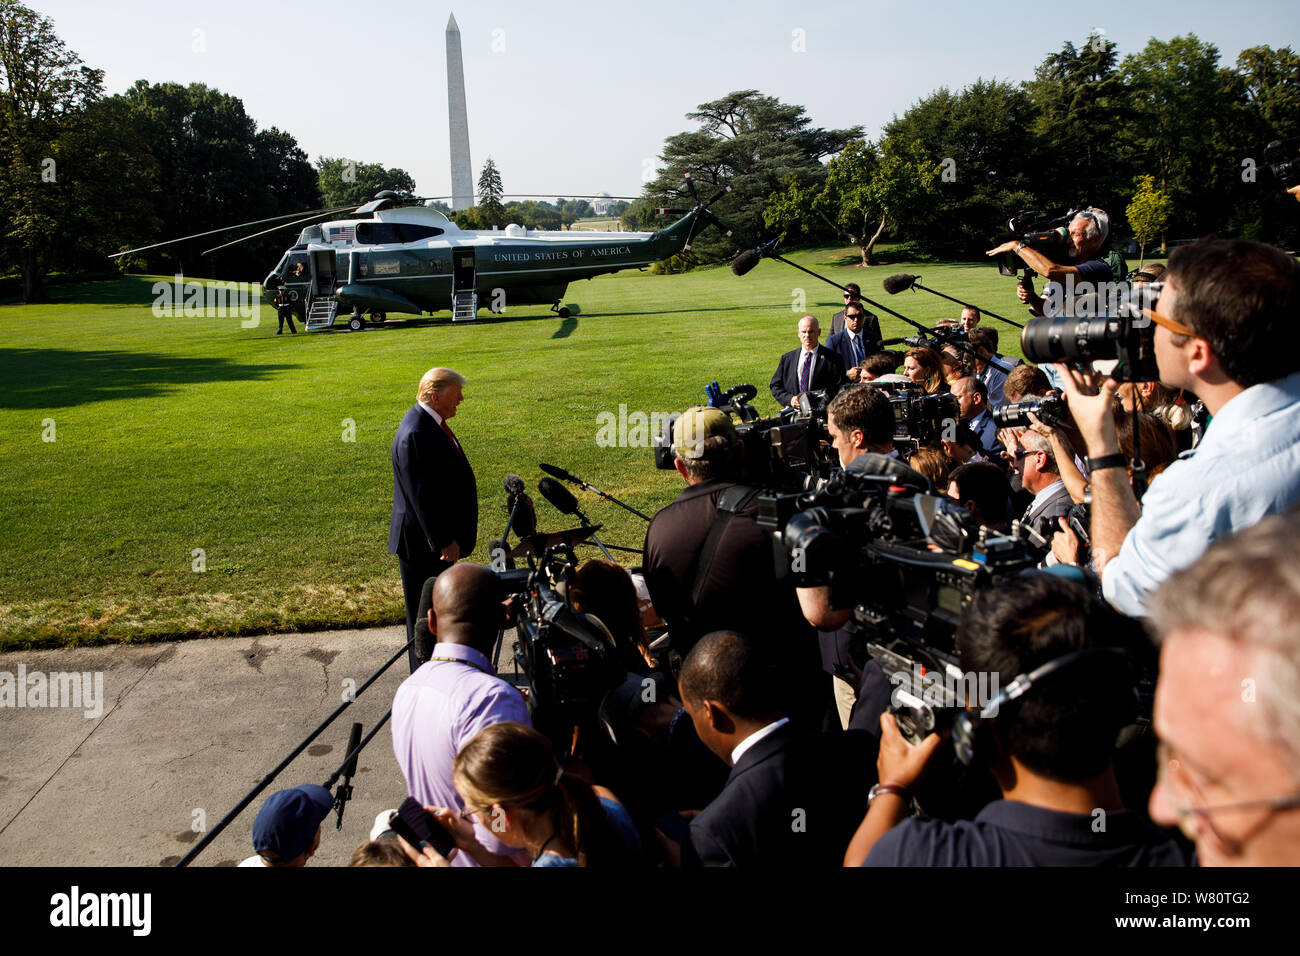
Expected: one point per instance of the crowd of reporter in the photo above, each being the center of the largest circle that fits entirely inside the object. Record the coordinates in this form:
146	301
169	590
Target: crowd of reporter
1145	674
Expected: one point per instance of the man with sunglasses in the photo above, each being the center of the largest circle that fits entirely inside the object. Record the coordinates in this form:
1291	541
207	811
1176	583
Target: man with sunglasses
1226	704
853	295
1228	329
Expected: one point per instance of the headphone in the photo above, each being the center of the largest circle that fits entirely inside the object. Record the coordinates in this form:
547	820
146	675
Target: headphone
971	730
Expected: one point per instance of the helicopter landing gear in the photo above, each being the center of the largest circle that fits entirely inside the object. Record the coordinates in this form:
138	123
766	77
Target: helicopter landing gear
560	310
356	323
378	317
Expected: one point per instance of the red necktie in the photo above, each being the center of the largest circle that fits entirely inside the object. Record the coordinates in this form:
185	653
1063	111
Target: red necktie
447	428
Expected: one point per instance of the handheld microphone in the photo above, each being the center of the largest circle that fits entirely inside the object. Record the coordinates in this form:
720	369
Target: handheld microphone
559	473
899	282
558	495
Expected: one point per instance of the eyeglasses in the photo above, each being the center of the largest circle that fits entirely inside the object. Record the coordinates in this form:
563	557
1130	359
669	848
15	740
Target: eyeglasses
1179	782
468	815
1171	324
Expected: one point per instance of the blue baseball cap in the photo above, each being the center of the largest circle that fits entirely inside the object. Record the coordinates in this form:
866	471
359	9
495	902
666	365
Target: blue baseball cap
287	822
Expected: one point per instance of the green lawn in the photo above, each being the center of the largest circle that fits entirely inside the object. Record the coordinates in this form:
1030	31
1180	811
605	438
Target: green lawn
176	434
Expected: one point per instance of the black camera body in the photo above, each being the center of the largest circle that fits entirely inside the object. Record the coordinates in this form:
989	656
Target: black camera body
568	659
1283	158
909	561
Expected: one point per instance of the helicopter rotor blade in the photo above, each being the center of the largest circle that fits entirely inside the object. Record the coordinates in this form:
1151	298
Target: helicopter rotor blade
213	232
297	222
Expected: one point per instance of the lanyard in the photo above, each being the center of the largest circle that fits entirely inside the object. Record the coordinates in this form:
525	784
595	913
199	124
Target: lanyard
457	660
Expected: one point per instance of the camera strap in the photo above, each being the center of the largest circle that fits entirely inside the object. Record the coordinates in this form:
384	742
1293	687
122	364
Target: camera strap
729	503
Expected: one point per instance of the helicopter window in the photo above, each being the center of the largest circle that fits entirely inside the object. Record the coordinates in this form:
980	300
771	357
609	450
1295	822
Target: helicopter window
377	233
297	267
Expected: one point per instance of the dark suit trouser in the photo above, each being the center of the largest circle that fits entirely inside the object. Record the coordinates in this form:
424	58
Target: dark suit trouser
414	574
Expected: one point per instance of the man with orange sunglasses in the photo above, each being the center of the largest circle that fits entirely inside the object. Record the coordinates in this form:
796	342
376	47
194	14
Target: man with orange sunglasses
1227	329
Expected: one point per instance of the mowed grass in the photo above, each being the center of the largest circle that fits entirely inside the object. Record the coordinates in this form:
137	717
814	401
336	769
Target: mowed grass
178	434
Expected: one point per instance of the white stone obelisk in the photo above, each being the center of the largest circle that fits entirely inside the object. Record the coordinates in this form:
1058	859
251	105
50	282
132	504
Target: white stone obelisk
462	173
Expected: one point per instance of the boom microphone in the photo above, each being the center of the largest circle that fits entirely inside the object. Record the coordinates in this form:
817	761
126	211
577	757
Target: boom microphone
514	484
745	261
558	495
559	473
899	282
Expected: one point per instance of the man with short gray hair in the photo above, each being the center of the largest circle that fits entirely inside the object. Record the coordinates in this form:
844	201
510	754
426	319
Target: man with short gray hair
1227	706
1086	235
809	368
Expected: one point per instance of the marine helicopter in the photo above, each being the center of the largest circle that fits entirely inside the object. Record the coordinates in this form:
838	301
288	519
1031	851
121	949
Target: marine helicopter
400	254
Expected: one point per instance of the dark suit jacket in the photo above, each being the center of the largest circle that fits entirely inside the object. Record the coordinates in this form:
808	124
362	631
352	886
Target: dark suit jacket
839	344
435	498
827	372
1043	519
791	801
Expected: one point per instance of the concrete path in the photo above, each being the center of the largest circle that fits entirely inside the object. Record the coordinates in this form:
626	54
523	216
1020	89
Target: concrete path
184	731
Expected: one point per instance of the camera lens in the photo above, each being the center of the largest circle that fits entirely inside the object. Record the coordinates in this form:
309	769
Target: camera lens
1066	338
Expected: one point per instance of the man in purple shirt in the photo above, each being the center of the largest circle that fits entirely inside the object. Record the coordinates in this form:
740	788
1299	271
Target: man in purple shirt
455	694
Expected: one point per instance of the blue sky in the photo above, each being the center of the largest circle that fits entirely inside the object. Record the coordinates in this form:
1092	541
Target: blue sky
575	97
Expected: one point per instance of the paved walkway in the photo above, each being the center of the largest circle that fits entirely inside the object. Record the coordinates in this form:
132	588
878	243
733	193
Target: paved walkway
184	731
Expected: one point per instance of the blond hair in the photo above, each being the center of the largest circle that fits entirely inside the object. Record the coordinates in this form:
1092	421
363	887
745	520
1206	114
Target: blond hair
435	380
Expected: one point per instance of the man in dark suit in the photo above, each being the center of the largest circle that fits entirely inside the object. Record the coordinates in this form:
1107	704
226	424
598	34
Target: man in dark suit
435	498
1039	476
853	293
854	342
790	798
808	368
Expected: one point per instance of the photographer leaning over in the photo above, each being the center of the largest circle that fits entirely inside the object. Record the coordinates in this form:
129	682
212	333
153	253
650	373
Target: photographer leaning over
1087	234
1051	749
709	566
1228	329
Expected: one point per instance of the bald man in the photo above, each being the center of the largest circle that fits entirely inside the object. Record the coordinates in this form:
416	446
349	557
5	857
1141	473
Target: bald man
456	693
808	368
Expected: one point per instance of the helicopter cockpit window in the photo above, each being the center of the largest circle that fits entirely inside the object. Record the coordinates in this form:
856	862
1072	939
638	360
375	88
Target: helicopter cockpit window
296	267
380	233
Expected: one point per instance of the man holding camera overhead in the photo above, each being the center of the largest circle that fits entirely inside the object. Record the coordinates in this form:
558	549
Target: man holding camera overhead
1228	329
1086	235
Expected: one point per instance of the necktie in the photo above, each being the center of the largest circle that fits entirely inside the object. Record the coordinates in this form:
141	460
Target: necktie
805	371
447	428
858	352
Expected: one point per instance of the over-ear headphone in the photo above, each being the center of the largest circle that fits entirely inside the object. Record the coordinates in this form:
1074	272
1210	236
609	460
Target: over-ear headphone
972	731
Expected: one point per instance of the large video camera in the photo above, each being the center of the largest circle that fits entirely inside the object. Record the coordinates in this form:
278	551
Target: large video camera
787	451
1110	327
907	560
569	659
1283	158
1039	231
919	418
1050	411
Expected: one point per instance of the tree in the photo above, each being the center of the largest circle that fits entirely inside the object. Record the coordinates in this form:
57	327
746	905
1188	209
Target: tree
1148	213
489	194
43	87
346	181
750	142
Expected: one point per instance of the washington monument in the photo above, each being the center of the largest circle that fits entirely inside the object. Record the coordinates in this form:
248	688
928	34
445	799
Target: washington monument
462	173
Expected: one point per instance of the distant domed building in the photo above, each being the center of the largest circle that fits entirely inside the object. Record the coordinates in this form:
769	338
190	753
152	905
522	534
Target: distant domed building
600	205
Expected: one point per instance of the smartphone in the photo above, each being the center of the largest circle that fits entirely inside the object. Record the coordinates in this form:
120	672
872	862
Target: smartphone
416	826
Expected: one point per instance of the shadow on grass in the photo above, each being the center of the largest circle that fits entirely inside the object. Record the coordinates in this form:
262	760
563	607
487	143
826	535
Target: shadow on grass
128	290
566	328
60	378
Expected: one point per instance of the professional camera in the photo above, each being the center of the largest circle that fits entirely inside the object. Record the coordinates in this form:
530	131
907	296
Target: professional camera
907	560
1050	411
921	418
1039	231
1283	157
785	451
1126	335
569	659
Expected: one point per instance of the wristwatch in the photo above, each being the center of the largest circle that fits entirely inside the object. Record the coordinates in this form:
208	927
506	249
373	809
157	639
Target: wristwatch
1107	461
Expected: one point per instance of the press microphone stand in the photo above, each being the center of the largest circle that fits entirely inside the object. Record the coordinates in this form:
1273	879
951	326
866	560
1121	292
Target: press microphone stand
570	477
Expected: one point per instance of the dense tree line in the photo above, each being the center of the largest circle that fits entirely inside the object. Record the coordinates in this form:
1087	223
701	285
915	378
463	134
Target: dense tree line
951	170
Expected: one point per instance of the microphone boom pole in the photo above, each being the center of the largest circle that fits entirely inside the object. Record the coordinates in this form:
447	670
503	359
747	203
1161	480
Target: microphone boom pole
915	284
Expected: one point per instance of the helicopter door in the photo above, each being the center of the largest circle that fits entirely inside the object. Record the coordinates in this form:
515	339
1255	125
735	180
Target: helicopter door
323	268
462	271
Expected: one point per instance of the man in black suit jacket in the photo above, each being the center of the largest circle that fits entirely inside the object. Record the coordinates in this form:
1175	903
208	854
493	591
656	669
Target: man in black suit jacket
1039	476
435	498
855	341
791	797
808	368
